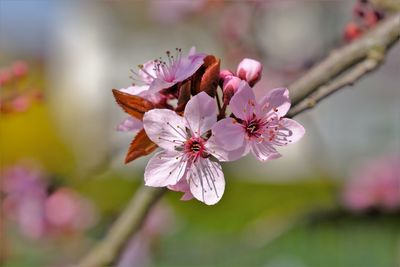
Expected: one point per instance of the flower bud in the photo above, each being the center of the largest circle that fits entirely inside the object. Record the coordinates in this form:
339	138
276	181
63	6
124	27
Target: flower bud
230	86
249	70
352	31
224	74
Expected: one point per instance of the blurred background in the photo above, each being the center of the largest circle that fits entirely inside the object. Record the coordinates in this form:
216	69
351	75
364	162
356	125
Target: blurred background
333	199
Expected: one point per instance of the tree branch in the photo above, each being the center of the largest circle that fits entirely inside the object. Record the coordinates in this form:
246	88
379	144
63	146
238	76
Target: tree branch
382	37
353	61
127	224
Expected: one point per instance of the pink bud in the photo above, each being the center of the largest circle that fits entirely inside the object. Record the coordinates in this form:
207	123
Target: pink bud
223	74
249	70
5	76
230	86
19	68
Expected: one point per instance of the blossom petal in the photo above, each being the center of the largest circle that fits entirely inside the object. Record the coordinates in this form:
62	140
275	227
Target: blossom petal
130	124
182	186
189	65
243	102
229	133
135	89
277	99
264	151
206	181
165	128
218	151
289	131
201	113
165	168
147	73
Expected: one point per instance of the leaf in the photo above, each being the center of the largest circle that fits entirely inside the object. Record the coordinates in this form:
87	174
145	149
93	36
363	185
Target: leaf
184	95
140	146
134	105
207	77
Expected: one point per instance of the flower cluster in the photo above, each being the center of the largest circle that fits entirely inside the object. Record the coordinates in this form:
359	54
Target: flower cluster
374	185
17	90
38	208
183	107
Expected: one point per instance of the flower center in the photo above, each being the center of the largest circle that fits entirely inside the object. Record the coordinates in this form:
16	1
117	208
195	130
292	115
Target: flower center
253	128
194	147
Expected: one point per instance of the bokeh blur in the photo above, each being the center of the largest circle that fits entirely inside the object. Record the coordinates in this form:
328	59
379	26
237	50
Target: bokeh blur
333	199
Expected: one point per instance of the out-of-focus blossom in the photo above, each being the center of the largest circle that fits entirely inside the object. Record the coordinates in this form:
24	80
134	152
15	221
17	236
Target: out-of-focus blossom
138	251
249	70
66	210
37	213
18	91
25	193
375	184
352	31
186	151
257	126
173	11
19	68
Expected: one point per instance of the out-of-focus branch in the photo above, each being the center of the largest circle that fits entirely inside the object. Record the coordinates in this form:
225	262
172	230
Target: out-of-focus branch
128	223
353	61
382	37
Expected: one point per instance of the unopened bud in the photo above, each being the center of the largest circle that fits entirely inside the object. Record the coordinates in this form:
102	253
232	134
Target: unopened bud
223	74
249	70
231	84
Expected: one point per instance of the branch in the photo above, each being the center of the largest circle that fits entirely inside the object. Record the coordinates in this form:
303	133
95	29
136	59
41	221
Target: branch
382	37
353	61
127	224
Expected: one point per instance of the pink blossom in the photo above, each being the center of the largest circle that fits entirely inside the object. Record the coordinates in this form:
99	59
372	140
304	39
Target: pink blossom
161	74
173	11
5	76
257	127
19	68
375	184
187	153
249	70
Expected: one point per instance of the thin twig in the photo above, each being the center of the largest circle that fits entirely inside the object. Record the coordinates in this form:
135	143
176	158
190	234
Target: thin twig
358	58
382	37
324	91
127	224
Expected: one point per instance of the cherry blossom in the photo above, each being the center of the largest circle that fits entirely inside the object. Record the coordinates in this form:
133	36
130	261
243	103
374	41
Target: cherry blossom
159	74
257	127
188	154
249	70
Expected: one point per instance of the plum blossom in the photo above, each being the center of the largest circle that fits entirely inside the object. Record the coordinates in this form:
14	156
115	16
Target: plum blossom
187	160
257	126
249	70
159	74
376	184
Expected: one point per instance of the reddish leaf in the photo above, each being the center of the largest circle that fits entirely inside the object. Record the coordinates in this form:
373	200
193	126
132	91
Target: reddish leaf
184	95
140	146
134	105
210	78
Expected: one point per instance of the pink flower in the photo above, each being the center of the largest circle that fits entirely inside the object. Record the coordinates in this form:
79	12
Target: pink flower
375	185
160	74
249	70
257	127
188	153
19	68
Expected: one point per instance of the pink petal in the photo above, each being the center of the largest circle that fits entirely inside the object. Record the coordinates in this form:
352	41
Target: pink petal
278	99
148	73
249	70
201	113
264	151
135	89
229	134
165	168
165	128
243	102
130	124
182	186
206	181
188	66
293	130
217	150
159	84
